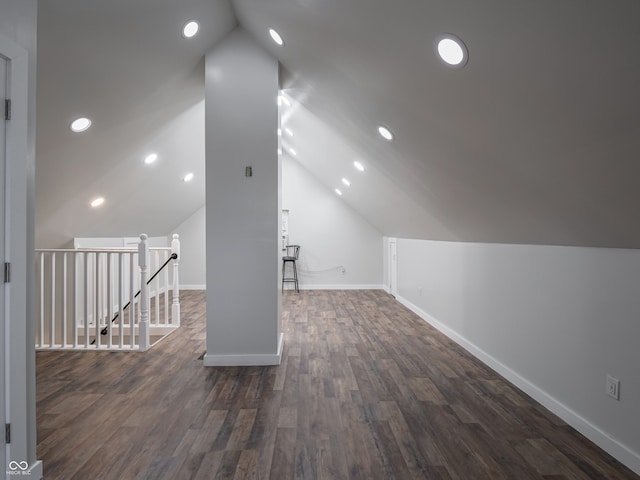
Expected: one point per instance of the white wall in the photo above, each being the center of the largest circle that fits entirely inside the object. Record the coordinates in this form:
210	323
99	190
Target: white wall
554	320
333	238
243	213
193	267
331	234
18	20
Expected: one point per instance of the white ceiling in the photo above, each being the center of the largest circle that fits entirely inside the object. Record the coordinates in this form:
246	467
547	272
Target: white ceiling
535	140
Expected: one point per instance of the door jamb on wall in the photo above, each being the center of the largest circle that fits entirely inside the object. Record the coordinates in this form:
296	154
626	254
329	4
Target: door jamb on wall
20	366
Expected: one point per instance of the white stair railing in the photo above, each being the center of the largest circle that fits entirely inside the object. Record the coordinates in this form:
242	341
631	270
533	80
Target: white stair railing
93	298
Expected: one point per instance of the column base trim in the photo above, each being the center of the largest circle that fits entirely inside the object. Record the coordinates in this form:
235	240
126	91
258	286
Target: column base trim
262	359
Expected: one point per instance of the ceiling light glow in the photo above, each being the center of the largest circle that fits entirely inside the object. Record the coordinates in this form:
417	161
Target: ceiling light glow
282	99
385	133
80	124
451	50
97	202
288	132
276	37
151	158
293	152
279	132
338	191
346	182
190	29
358	166
188	177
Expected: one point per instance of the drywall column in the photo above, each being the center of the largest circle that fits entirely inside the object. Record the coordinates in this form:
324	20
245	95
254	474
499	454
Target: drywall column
242	212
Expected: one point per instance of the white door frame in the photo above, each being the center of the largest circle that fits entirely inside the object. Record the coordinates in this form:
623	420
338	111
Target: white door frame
19	360
4	64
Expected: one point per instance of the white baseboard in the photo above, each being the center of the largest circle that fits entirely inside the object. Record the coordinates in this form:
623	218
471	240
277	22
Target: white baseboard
341	287
618	450
311	287
245	360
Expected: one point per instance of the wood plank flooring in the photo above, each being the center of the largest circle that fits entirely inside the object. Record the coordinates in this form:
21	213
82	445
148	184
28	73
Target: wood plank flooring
366	390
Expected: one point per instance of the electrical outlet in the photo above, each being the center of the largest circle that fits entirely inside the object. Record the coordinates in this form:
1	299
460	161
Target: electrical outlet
613	387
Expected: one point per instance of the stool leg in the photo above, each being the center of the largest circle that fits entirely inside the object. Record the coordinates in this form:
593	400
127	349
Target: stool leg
295	276
283	264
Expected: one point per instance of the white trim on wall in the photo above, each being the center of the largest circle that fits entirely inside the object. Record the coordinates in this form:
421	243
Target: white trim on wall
340	287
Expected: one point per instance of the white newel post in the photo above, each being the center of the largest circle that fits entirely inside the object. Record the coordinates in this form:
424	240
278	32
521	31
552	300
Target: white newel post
143	326
175	306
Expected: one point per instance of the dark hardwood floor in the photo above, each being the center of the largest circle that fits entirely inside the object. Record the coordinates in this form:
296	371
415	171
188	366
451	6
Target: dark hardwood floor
366	390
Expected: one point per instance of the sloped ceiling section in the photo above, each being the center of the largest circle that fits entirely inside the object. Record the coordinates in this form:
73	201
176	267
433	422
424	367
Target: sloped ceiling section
535	140
126	66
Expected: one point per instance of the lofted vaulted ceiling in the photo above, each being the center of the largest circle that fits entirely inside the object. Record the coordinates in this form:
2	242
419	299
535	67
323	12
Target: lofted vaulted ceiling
125	65
534	140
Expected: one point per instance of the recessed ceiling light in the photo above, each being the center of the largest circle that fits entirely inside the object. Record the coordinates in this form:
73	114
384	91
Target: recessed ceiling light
276	37
188	177
288	132
385	133
279	151
96	202
149	159
80	124
293	152
451	50
190	29
279	132
358	166
346	182
338	191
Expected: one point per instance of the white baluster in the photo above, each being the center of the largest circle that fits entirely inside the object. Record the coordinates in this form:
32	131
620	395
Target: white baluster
120	299
41	339
156	256
143	261
97	299
166	288
132	300
64	300
52	318
76	310
86	300
109	309
175	306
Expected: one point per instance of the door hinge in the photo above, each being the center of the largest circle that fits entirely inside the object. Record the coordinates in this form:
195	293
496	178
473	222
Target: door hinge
7	272
7	433
7	109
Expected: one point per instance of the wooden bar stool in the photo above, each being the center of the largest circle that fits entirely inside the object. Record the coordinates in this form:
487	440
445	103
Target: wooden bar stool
292	252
